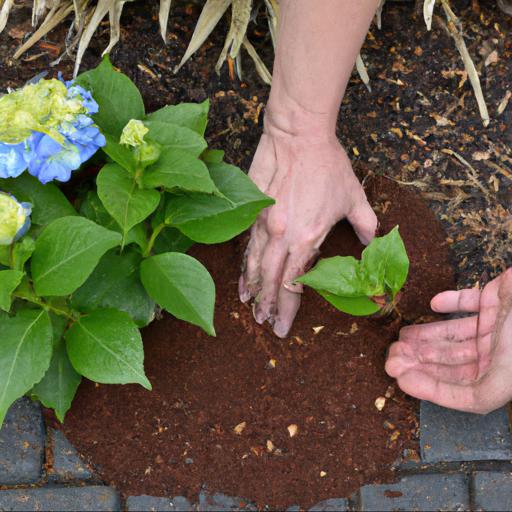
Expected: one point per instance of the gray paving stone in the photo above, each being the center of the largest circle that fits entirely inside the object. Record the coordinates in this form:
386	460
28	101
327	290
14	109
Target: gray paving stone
22	438
492	491
447	435
56	499
150	504
294	508
425	492
332	505
67	465
219	501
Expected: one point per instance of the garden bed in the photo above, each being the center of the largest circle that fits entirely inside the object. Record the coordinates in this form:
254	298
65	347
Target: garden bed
183	434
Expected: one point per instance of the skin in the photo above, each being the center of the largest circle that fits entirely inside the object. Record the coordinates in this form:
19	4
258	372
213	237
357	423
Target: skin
299	161
464	363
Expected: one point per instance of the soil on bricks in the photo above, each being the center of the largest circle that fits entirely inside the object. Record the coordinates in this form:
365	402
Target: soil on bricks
181	436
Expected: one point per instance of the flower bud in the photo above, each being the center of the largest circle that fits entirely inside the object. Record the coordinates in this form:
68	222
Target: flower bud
133	133
14	218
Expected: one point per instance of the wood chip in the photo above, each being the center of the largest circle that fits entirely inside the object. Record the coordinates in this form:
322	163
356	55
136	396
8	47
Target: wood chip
293	429
270	446
380	402
323	474
240	428
504	102
317	329
272	363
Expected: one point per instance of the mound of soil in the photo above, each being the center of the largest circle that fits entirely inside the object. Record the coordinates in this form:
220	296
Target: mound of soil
182	435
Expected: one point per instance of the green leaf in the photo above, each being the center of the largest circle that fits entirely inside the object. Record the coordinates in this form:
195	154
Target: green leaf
115	283
119	153
48	202
59	385
117	96
22	251
188	115
25	353
67	252
172	240
121	197
210	219
212	156
356	306
182	286
386	259
338	275
93	209
9	281
178	169
106	347
173	136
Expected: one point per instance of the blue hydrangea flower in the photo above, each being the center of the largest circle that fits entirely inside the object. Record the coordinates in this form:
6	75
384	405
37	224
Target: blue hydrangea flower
50	160
12	159
53	153
14	218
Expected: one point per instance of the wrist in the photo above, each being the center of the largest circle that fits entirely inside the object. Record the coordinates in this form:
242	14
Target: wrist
287	116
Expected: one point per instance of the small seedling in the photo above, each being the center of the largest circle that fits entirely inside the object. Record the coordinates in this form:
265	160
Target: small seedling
366	286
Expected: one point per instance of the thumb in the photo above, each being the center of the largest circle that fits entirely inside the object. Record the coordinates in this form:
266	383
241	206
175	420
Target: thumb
364	221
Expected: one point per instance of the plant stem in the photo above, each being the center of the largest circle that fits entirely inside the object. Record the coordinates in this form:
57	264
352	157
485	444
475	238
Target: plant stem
151	242
46	306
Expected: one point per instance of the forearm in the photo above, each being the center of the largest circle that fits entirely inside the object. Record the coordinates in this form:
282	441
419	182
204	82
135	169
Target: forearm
318	42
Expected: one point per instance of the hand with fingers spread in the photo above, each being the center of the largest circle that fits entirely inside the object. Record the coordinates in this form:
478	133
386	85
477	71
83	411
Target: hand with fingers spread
465	363
299	162
312	181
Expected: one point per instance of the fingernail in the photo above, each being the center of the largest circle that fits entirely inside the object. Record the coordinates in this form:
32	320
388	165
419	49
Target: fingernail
244	295
280	329
243	291
259	316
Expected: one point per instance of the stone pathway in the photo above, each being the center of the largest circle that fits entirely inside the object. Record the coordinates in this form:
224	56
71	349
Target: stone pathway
466	464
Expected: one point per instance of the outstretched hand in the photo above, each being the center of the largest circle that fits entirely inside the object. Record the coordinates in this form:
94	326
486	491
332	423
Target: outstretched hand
462	364
312	181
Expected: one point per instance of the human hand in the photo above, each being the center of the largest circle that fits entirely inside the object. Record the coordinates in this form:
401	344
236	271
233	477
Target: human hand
311	179
462	364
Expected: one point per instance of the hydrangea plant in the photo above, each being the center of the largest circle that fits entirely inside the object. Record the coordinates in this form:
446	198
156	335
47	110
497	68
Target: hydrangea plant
79	281
366	286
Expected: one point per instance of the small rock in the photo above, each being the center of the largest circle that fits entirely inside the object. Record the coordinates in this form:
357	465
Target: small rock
188	460
240	428
380	402
293	429
317	329
270	446
323	474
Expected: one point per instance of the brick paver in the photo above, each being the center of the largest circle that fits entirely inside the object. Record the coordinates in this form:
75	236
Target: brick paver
492	491
448	435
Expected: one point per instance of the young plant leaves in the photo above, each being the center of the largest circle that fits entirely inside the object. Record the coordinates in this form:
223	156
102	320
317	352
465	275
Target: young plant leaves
211	220
118	98
189	115
386	258
9	281
58	387
67	252
121	197
356	306
179	169
349	284
115	283
182	286
48	202
105	346
25	354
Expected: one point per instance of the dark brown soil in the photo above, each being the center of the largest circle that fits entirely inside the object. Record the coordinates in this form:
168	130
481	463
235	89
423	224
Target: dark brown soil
181	435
